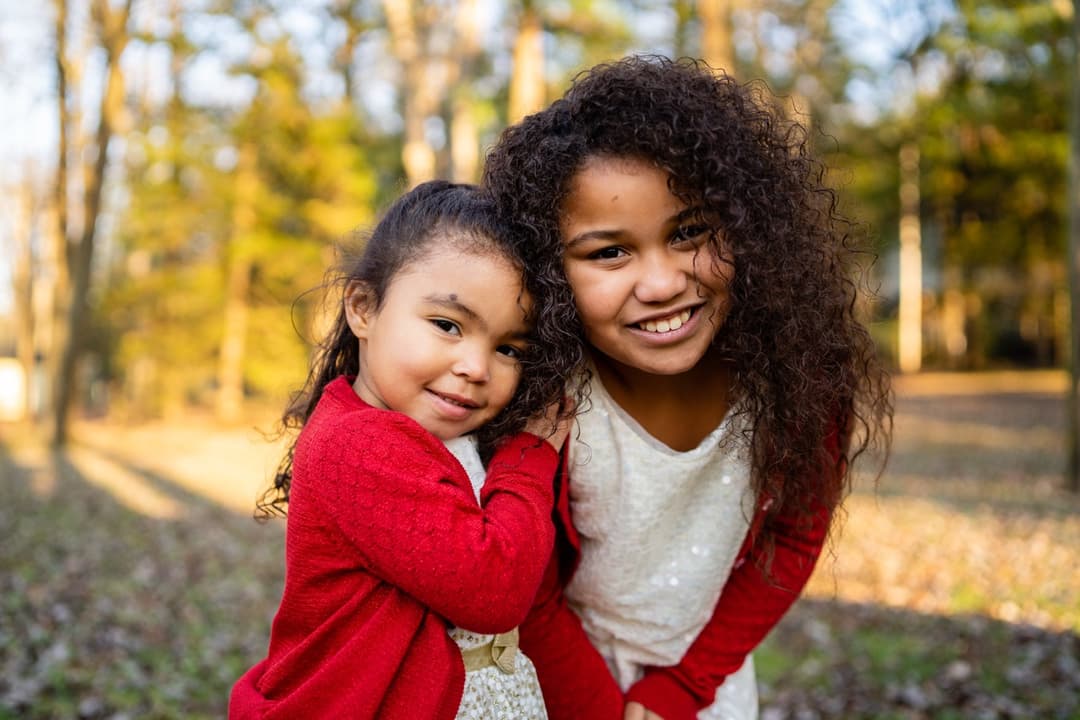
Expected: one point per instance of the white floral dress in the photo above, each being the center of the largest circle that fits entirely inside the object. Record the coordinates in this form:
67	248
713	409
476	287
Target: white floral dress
490	693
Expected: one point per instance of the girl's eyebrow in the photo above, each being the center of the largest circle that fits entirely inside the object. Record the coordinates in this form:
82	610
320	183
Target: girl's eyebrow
593	235
610	234
450	302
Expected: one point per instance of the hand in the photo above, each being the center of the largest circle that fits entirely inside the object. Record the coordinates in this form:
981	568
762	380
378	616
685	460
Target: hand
554	424
637	711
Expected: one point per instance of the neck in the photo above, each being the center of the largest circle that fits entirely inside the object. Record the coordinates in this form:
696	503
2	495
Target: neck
710	377
679	410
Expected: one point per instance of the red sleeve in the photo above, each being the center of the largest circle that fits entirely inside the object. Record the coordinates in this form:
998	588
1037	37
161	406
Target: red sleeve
400	498
749	606
573	676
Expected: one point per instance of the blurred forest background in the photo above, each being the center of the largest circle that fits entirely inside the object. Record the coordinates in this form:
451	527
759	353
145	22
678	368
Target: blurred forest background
177	175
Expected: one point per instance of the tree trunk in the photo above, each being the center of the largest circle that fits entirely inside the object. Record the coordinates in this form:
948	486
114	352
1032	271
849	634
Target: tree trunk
954	316
464	134
717	47
112	28
230	395
58	256
684	11
1072	482
424	84
910	323
23	287
808	57
344	58
464	138
527	79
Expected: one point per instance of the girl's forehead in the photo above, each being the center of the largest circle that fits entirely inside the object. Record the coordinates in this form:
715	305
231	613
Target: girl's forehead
462	260
599	171
459	242
603	179
473	275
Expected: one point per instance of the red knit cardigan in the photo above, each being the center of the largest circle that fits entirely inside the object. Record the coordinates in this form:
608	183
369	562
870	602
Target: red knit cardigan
385	545
575	678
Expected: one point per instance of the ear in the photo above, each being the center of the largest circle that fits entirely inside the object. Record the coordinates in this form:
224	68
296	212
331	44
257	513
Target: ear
359	308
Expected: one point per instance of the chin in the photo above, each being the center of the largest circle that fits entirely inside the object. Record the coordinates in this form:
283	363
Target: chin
661	365
668	368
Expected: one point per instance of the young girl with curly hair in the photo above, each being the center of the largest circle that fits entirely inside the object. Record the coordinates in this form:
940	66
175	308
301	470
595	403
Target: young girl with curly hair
443	347
730	383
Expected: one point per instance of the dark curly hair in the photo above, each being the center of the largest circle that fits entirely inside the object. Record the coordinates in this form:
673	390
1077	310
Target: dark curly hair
446	214
806	374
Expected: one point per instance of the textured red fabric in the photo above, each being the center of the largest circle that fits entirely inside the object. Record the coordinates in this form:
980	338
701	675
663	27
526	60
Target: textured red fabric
385	545
577	682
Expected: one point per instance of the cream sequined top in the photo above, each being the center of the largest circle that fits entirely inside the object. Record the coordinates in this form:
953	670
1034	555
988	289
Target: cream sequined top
660	530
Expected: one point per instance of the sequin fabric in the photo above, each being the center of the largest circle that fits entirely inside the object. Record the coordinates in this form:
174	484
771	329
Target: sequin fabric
660	530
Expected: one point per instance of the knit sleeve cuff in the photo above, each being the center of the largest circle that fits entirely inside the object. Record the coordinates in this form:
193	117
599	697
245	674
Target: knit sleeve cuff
665	696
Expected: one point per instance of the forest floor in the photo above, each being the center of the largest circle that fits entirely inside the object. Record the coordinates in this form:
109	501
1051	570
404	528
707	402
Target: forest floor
134	583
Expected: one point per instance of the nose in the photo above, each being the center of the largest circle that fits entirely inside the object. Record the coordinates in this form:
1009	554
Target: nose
472	363
664	275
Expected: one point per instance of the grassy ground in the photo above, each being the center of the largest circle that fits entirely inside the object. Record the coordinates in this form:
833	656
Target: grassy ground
133	582
953	590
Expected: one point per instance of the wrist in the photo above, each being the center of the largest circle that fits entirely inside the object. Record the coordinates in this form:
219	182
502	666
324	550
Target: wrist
662	694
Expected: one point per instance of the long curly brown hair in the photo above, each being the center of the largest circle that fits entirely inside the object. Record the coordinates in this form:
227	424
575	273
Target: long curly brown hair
806	375
448	214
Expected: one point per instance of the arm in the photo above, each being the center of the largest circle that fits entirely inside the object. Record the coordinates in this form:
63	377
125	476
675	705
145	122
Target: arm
574	677
749	606
407	507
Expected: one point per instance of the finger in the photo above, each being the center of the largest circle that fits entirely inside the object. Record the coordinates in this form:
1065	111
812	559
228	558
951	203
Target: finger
634	711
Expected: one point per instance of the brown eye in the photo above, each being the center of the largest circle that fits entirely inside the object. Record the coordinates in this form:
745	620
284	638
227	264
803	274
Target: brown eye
510	351
611	252
447	326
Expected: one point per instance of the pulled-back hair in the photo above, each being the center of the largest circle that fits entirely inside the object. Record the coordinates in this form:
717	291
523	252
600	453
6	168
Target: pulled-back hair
806	377
432	215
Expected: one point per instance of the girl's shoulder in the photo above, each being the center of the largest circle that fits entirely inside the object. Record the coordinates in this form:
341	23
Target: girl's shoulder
344	425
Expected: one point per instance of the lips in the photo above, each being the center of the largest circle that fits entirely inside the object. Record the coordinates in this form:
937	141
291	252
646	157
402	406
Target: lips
457	400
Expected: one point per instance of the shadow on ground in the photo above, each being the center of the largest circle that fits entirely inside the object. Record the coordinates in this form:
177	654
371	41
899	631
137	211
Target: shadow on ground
134	583
834	659
116	611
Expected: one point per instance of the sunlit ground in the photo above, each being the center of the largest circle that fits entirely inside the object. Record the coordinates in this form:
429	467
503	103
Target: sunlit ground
133	582
953	590
970	515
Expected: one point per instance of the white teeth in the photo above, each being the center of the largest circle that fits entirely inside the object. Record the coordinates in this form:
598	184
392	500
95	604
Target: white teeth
452	401
667	325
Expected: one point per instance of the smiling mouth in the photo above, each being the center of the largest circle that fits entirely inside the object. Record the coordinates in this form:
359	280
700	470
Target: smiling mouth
667	324
453	400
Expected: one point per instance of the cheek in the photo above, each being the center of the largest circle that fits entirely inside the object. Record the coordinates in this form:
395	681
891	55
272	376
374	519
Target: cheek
596	295
594	306
506	380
